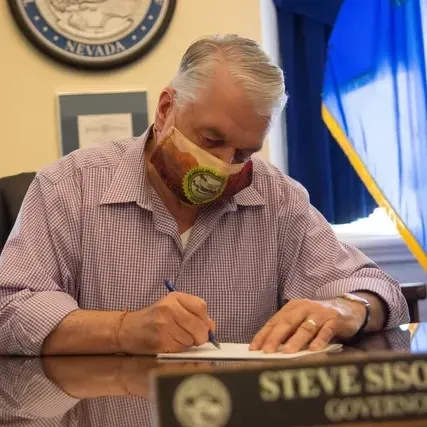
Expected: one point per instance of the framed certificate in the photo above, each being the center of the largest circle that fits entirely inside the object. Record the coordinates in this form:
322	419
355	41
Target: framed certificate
94	118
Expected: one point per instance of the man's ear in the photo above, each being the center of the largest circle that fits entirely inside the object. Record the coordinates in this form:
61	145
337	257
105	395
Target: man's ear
164	109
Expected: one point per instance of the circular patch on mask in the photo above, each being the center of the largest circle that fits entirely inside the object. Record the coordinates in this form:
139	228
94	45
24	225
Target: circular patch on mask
203	184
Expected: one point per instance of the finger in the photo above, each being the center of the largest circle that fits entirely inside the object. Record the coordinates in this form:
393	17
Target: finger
193	304
212	325
325	335
260	337
304	335
172	345
288	315
181	335
192	324
277	335
169	340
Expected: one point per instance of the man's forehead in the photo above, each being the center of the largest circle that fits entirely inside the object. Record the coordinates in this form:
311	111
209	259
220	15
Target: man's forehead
229	107
224	127
222	119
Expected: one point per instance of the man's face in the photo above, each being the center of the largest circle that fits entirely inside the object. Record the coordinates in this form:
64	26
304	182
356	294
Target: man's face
221	122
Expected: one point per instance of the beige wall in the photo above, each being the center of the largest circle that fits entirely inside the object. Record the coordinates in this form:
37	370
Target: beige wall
29	81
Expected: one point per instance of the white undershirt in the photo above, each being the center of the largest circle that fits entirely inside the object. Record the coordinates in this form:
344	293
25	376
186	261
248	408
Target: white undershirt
185	236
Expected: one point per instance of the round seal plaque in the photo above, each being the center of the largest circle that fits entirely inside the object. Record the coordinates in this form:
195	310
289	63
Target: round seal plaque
93	33
202	400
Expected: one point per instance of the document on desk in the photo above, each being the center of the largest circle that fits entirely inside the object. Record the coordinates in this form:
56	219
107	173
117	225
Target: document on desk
231	351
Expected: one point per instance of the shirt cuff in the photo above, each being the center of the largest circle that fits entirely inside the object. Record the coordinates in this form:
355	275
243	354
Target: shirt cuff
36	396
398	313
37	315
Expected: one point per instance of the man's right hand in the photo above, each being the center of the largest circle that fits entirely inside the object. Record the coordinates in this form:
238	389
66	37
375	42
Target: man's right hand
173	324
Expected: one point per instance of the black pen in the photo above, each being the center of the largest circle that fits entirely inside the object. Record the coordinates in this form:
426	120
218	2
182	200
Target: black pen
171	288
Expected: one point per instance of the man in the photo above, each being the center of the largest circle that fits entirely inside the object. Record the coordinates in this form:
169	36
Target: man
102	229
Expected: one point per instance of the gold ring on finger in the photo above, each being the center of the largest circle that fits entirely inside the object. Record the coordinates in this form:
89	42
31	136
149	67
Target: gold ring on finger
312	322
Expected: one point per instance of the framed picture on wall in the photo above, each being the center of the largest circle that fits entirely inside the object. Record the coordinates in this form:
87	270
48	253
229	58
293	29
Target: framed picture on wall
88	119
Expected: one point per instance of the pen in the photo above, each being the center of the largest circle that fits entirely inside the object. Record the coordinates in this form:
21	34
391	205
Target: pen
171	288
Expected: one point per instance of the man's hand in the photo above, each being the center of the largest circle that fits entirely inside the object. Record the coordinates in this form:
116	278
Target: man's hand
173	324
295	325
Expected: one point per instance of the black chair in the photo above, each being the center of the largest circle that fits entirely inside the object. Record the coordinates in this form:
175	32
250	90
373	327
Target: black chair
12	193
413	293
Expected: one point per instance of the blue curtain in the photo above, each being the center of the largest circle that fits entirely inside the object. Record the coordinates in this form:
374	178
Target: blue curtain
315	159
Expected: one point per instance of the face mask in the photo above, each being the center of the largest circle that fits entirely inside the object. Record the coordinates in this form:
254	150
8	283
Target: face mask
194	175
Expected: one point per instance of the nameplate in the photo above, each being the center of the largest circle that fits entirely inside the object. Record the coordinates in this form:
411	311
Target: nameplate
339	390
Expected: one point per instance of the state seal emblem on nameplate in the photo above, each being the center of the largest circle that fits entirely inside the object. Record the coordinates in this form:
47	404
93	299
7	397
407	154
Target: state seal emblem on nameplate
202	401
93	34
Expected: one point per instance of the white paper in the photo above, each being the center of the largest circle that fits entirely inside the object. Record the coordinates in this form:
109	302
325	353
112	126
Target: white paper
232	351
97	128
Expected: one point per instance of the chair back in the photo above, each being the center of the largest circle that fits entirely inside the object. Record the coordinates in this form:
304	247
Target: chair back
12	193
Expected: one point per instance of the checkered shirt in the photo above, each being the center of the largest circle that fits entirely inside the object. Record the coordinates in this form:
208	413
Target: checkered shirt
93	234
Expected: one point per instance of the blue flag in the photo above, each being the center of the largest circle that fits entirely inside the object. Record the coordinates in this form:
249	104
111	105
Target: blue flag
375	105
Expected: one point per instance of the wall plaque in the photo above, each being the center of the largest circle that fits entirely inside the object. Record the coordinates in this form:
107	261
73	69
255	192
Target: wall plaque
86	119
93	34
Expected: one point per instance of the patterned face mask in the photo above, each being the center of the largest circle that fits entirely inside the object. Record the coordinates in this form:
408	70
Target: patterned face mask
195	176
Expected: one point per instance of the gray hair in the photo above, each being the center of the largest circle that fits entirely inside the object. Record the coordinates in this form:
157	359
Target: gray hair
248	65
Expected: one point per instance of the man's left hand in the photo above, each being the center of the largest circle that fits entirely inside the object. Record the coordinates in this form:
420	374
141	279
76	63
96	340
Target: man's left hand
306	322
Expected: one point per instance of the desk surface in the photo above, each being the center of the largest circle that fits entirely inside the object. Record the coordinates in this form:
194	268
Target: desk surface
114	390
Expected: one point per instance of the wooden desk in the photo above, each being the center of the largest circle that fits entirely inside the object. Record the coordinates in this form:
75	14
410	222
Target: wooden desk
115	390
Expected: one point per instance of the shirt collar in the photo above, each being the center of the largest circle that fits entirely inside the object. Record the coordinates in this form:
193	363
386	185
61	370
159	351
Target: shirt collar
249	196
130	181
